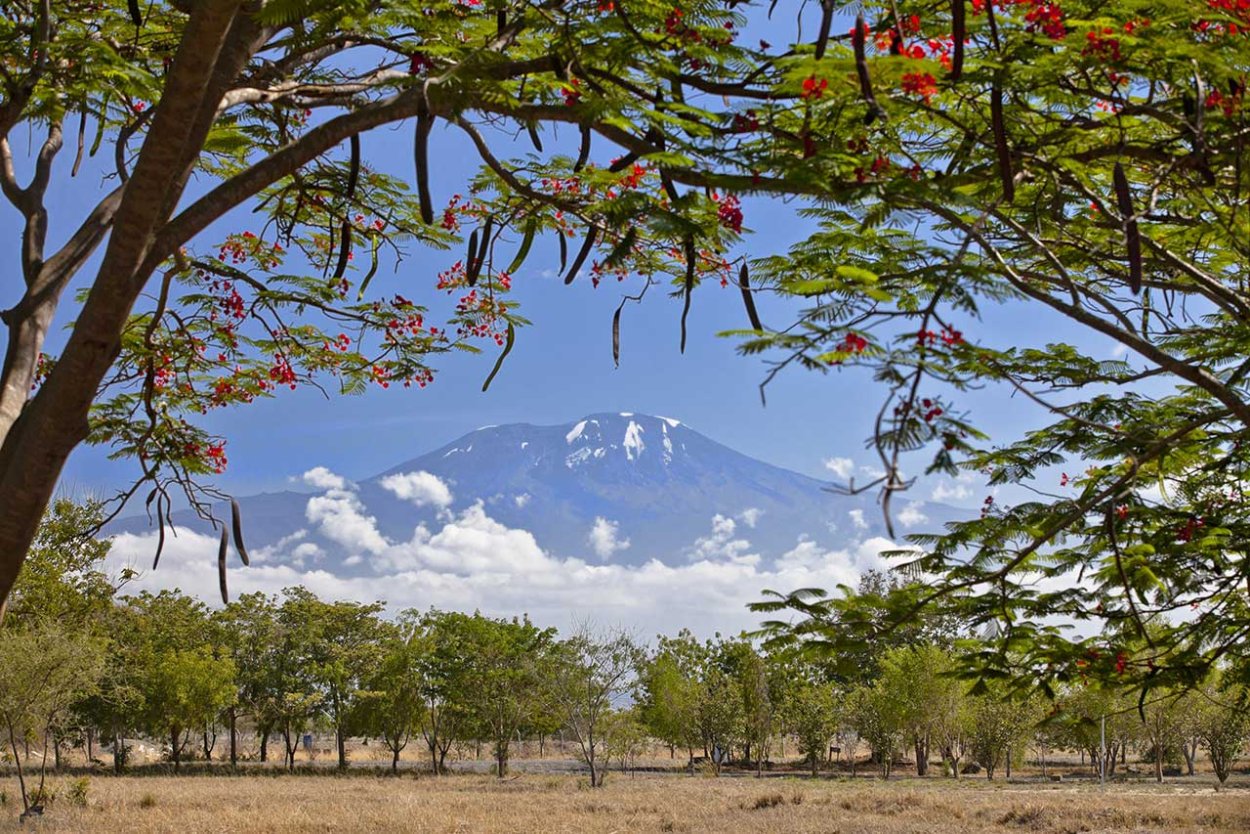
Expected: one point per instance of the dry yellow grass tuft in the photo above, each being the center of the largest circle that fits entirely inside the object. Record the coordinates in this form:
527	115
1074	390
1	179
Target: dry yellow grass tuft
544	804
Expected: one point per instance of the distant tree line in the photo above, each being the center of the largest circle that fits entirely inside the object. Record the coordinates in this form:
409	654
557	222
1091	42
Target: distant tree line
84	664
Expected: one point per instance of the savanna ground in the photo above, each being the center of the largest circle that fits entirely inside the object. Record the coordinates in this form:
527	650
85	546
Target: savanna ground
533	803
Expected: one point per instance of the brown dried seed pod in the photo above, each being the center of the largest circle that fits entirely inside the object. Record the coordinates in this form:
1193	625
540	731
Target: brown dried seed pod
688	289
1005	173
669	188
744	284
421	155
564	248
535	139
1132	237
160	534
826	21
959	31
471	264
582	254
221	565
583	153
236	524
861	70
345	231
616	335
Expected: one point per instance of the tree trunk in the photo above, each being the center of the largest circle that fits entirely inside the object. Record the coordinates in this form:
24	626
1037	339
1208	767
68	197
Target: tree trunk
56	752
264	744
119	751
175	749
342	745
922	756
38	434
1158	762
234	738
395	760
90	745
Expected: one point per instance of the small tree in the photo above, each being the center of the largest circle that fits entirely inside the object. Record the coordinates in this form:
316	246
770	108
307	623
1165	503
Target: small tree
669	700
997	726
1225	727
44	669
812	715
592	674
391	705
877	715
186	689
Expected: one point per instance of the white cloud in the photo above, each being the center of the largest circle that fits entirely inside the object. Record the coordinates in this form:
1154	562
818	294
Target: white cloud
605	538
948	490
912	515
750	516
842	467
472	561
340	516
857	519
322	478
421	488
521	500
722	544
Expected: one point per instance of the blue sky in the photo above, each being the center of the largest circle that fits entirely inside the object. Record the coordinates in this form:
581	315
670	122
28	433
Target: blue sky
561	367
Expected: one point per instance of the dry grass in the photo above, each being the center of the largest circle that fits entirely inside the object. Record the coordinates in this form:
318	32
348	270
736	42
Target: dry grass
532	804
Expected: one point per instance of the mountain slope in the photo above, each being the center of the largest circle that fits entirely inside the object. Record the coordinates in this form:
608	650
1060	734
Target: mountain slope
658	481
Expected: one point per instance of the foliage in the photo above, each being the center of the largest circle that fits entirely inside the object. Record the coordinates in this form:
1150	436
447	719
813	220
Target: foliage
1078	165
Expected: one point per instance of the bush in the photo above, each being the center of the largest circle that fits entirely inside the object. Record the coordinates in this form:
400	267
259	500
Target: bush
147	801
78	791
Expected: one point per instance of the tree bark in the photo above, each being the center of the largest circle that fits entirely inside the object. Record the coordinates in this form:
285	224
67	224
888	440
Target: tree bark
175	749
264	744
342	745
36	440
234	738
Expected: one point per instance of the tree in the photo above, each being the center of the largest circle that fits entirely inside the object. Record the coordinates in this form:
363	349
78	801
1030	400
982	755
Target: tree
877	715
256	101
670	688
340	644
391	705
1082	168
1224	726
185	689
507	665
250	635
592	674
44	669
1162	727
812	714
720	714
929	695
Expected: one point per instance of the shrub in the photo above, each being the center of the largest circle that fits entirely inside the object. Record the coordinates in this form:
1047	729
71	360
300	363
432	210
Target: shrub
78	791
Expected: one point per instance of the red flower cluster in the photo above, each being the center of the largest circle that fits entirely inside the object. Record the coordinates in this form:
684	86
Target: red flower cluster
1101	45
814	87
921	84
854	343
729	212
572	92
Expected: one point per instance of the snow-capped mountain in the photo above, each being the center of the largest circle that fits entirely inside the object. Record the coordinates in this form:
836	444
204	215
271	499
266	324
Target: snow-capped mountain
625	488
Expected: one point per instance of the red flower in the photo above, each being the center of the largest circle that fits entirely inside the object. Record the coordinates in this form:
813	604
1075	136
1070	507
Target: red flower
921	84
814	87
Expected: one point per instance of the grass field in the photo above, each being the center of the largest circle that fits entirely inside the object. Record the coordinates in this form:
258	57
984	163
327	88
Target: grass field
539	804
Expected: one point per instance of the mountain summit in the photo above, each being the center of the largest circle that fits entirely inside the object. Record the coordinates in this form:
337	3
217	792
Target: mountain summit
623	487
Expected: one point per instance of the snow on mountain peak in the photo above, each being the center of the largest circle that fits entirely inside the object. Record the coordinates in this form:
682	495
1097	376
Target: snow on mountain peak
633	440
575	433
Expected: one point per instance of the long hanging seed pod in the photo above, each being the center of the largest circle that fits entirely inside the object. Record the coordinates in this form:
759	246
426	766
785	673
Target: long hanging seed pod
748	300
616	334
221	565
861	70
989	17
1132	237
1000	141
688	289
136	14
374	241
507	348
959	31
82	139
421	156
582	254
826	21
623	162
531	227
236	525
564	248
534	138
470	260
583	153
160	533
345	232
669	188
